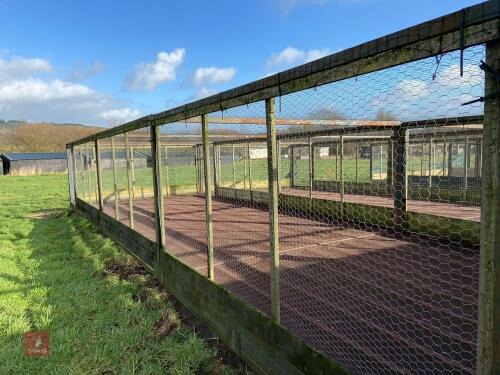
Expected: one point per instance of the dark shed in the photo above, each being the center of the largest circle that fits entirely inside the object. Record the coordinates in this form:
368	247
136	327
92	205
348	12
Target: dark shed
33	163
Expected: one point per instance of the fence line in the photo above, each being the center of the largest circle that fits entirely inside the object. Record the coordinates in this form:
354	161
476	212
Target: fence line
293	220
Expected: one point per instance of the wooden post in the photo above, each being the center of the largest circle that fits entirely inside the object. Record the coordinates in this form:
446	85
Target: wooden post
208	197
167	179
291	166
115	183
250	172
371	164
94	158
245	166
233	160
450	159
272	173
342	176
488	342
390	167
356	162
400	141
431	162
311	169
444	156
466	167
158	195
380	170
421	159
88	166
214	161
132	170
129	183
278	164
99	174
71	176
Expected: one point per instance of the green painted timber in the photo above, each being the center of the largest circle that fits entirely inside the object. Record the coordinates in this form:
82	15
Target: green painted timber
465	232
266	346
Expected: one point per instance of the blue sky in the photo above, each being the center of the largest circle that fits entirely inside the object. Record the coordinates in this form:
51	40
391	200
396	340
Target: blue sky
106	62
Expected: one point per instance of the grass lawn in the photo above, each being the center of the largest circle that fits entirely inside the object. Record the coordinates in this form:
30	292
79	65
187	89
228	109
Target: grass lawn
103	313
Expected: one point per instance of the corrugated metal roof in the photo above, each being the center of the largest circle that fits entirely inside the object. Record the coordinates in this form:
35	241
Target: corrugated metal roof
34	156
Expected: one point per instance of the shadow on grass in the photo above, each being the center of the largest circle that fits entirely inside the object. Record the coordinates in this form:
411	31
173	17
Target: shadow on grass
99	319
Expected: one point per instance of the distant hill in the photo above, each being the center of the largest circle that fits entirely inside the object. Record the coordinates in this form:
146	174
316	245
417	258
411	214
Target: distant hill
22	136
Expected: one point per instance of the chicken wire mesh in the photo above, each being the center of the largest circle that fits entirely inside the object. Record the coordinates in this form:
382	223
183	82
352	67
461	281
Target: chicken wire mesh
379	181
376	299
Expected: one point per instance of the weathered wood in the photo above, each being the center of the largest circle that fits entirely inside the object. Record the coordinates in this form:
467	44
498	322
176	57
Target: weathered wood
488	358
466	166
233	161
311	167
401	143
341	190
130	184
88	166
167	176
158	194
115	183
208	197
249	170
99	174
479	24
132	170
71	176
272	173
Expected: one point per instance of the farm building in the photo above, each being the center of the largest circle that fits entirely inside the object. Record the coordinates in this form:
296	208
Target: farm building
33	163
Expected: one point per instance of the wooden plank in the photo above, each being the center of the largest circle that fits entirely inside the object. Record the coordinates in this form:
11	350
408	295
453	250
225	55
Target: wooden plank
488	358
71	176
130	184
272	174
115	183
158	195
208	197
479	23
401	143
99	174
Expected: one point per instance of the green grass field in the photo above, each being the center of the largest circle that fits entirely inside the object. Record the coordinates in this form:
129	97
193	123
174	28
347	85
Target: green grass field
103	313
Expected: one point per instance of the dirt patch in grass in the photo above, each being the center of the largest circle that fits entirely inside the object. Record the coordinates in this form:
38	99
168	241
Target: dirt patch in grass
45	214
168	322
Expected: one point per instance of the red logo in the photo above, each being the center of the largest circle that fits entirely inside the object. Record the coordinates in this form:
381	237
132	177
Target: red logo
36	344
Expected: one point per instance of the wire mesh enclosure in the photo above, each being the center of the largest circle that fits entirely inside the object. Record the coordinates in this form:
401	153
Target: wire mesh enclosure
348	210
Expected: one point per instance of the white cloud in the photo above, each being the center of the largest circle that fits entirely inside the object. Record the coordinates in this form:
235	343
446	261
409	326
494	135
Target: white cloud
147	76
18	66
213	75
205	92
23	95
473	75
120	116
80	73
412	89
294	56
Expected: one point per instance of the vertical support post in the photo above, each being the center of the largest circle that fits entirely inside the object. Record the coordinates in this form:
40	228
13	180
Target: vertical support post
88	165
250	172
341	176
115	183
219	166
371	164
488	357
421	159
450	159
380	169
279	165
272	173
431	162
214	160
390	166
129	183
466	166
291	166
245	166
132	170
99	174
208	197
336	164
158	195
311	169
479	157
233	160
167	179
444	157
94	158
357	162
71	176
401	141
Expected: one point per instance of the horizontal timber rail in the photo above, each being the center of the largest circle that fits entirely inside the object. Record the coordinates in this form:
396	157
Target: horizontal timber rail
479	24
